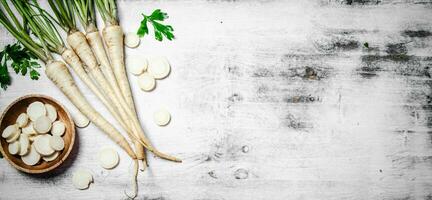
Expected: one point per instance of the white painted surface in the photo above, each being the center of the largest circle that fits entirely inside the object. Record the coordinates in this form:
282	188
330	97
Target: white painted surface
246	120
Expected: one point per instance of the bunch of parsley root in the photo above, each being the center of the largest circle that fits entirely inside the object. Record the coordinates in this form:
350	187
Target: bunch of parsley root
96	57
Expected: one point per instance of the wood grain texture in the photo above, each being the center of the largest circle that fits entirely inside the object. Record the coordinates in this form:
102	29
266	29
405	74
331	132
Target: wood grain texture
269	100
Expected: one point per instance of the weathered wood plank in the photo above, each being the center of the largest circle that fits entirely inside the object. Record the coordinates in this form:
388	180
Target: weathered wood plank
270	100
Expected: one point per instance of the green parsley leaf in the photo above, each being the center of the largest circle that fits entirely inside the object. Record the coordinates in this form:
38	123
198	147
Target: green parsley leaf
160	30
21	61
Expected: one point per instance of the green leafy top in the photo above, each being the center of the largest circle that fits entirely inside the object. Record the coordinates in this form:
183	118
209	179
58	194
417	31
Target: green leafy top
21	60
85	9
160	30
108	11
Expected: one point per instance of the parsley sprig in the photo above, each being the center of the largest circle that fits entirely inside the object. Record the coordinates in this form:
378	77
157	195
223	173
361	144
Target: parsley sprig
160	30
21	61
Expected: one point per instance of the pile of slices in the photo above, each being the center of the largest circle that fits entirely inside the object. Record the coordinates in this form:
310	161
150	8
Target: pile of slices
149	70
36	134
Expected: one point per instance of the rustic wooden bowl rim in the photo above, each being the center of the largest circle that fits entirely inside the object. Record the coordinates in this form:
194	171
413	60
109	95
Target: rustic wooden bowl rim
72	141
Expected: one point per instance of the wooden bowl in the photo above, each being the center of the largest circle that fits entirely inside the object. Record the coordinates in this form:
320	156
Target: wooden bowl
9	117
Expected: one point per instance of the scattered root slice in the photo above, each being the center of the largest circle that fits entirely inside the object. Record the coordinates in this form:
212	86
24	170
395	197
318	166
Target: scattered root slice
81	179
131	40
51	157
22	120
42	145
162	117
134	182
146	82
14	137
31	158
58	128
35	110
51	112
80	120
56	142
159	67
14	148
10	131
42	124
137	66
29	129
24	144
108	158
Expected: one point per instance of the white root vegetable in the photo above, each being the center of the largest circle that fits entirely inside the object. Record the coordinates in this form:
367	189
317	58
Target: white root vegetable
42	145
79	43
158	67
108	158
162	117
131	40
14	148
35	110
24	144
14	137
51	112
137	66
58	128
59	74
51	157
22	120
146	82
10	131
113	37
56	142
134	182
95	41
74	62
42	124
32	157
29	129
81	179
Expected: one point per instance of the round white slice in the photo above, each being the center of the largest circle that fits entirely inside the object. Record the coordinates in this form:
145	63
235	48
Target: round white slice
162	117
58	128
24	144
35	110
14	148
80	120
159	67
56	142
10	131
42	124
131	40
14	137
22	120
29	130
137	66
146	82
108	158
42	145
81	179
51	157
51	112
32	157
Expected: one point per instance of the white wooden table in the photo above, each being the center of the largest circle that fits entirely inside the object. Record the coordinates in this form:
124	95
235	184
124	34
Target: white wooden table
270	100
